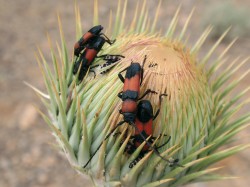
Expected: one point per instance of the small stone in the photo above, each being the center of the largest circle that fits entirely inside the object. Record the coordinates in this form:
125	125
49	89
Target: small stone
43	178
28	117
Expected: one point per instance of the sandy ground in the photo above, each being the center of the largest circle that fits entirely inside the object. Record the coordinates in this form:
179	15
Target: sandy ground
28	156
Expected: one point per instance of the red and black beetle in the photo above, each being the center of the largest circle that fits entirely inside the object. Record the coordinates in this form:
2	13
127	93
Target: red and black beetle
88	56
144	126
131	90
87	48
144	121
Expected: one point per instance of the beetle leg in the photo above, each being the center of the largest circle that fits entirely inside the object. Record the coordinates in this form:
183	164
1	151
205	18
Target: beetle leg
163	135
142	70
130	148
92	67
120	111
120	94
102	56
158	111
120	56
120	75
164	143
156	114
147	92
152	139
136	160
119	124
110	42
113	58
93	72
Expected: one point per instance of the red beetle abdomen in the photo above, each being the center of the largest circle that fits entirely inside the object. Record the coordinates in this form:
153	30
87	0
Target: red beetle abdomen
87	36
146	129
83	40
132	84
90	55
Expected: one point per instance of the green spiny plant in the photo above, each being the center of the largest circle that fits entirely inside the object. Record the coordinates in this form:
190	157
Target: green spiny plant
197	114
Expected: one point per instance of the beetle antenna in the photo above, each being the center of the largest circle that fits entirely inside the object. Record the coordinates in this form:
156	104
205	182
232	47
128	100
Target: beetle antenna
119	124
160	100
144	61
108	40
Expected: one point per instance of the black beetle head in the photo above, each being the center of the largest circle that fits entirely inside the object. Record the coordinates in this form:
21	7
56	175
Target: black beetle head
144	111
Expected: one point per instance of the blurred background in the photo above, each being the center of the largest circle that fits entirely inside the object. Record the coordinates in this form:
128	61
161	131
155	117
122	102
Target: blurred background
28	155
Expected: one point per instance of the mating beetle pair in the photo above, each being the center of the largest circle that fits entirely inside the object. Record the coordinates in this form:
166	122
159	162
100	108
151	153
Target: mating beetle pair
140	116
87	48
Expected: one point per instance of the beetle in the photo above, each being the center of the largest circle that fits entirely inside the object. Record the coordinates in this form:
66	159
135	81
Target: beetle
144	123
88	56
87	48
131	90
86	38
